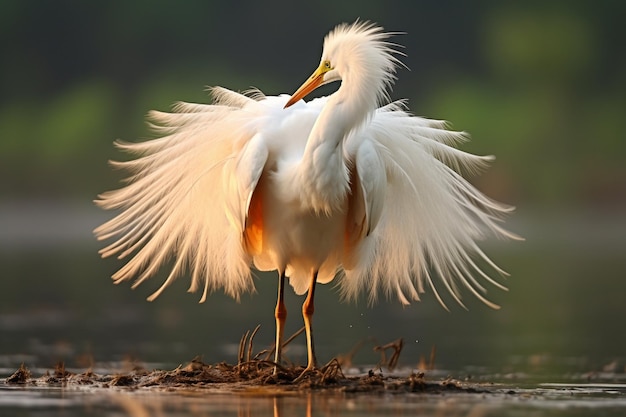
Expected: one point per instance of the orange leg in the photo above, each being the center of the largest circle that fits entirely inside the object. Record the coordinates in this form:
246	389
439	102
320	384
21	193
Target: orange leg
308	308
281	316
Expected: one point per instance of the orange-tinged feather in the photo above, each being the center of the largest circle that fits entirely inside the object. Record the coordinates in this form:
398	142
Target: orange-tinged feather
355	221
253	233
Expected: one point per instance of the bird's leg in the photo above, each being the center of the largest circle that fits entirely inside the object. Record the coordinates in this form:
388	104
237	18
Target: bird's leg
308	308
281	316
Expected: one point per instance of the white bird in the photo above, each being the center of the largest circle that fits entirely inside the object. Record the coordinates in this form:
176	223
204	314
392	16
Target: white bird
347	187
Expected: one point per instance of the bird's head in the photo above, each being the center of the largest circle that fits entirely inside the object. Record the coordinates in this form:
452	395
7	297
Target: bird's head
358	55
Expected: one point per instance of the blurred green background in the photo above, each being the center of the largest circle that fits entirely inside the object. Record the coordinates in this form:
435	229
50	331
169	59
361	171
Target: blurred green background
542	85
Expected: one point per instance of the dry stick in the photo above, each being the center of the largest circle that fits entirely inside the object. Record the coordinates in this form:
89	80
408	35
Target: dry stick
246	342
293	336
242	344
270	352
393	361
396	345
256	329
331	369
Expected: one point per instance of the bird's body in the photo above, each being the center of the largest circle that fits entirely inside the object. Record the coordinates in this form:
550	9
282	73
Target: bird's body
282	196
340	186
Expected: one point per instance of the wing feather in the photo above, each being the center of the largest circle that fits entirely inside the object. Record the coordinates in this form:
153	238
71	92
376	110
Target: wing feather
368	180
177	200
431	217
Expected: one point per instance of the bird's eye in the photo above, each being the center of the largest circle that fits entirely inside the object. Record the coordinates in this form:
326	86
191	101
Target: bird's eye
327	64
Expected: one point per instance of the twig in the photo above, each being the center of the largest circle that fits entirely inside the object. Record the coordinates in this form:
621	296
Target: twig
271	351
242	344
256	329
396	345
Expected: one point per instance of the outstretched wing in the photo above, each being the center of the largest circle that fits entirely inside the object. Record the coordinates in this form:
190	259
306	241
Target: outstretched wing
187	196
426	217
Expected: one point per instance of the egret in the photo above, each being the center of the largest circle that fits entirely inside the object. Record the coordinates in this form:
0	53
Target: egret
349	187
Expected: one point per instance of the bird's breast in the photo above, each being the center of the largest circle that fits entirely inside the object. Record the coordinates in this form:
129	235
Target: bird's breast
289	231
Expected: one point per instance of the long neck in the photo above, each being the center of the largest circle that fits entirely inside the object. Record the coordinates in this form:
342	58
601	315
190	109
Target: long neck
323	173
345	110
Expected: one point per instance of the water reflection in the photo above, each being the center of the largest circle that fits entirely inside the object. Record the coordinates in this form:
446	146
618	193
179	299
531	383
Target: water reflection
569	400
193	403
306	404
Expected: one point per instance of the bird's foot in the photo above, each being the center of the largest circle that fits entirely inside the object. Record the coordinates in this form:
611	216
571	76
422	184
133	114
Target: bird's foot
328	373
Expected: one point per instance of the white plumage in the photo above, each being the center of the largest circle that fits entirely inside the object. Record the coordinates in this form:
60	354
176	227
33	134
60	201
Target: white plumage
342	186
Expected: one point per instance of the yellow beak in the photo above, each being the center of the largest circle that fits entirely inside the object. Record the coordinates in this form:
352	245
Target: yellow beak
315	80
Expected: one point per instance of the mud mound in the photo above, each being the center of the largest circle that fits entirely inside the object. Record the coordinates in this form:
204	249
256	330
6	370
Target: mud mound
255	375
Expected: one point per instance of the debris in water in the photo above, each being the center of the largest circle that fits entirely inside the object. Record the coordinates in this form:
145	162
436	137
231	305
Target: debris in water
21	376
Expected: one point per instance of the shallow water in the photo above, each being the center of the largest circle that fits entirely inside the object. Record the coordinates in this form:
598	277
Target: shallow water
557	346
506	398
